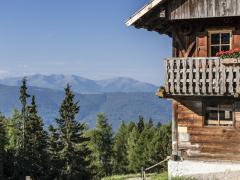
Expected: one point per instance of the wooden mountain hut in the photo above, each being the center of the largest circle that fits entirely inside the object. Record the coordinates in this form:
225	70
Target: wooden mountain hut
202	78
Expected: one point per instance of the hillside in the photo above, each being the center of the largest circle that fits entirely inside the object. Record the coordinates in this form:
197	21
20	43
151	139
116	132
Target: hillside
118	106
82	85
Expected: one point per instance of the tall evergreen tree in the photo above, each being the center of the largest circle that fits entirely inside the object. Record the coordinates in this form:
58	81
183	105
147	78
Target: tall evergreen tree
14	137
102	141
120	161
149	123
23	99
35	142
13	130
73	150
54	163
131	146
140	124
161	143
21	169
3	143
130	126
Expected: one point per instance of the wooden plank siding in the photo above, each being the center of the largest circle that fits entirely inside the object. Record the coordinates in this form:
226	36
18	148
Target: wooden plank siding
190	9
202	142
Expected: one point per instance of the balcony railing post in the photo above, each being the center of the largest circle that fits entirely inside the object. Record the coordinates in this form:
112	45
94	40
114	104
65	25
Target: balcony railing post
201	76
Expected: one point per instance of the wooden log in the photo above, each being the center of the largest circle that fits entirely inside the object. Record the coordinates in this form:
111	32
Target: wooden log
174	129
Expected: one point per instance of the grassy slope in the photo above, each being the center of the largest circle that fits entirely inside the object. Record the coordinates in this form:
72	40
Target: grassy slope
161	176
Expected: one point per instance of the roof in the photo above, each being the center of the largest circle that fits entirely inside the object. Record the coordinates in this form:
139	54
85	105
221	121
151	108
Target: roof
144	10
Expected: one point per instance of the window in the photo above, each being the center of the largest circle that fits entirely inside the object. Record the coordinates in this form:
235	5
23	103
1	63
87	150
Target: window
219	41
219	114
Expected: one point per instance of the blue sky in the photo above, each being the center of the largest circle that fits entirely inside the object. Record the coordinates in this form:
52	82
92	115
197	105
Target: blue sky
82	37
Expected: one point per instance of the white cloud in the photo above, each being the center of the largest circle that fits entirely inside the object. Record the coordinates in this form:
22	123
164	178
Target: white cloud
3	73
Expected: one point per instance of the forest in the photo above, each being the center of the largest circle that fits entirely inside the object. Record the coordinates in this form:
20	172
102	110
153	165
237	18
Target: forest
68	149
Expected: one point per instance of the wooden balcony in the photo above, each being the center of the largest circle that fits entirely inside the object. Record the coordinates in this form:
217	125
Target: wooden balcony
201	77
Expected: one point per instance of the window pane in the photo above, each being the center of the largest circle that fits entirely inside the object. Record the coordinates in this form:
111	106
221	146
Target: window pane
219	114
225	38
225	47
214	50
215	38
213	115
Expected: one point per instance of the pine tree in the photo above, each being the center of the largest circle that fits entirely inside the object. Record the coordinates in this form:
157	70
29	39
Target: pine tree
23	99
73	150
102	145
14	137
130	126
139	150
54	163
131	146
120	161
2	145
149	123
13	130
161	143
21	157
35	142
140	124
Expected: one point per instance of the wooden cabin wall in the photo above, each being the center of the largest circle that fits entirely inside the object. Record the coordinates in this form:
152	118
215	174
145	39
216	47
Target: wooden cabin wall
195	43
197	141
190	9
184	45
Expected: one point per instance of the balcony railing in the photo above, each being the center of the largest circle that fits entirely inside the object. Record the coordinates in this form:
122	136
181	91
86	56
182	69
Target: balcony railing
201	76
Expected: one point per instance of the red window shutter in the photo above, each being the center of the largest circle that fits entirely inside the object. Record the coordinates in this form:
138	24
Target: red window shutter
236	39
202	45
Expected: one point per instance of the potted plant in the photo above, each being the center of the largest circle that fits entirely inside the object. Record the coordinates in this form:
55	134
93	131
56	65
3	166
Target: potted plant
230	57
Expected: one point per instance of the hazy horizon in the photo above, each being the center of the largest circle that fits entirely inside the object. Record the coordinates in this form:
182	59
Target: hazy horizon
100	79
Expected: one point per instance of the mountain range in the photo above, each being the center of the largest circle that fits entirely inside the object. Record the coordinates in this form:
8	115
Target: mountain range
82	85
123	101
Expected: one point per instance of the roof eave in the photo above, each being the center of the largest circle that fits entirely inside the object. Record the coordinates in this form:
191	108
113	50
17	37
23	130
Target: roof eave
144	10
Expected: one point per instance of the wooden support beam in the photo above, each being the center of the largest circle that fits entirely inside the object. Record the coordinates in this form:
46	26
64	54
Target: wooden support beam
190	48
174	130
179	42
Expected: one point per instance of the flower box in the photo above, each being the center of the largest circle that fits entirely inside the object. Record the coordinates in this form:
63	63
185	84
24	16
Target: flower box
231	57
230	61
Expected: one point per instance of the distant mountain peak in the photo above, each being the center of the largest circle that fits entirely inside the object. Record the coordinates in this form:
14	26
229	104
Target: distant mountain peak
81	84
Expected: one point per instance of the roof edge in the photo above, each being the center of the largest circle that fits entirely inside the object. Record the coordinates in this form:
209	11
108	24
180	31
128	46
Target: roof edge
140	13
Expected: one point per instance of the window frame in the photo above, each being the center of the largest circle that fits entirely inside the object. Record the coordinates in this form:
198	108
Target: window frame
206	106
220	31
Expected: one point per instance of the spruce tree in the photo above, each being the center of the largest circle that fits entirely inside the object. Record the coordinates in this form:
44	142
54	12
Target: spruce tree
2	145
130	126
120	161
102	141
139	147
161	143
21	165
140	124
14	139
35	142
73	150
131	153
54	163
13	128
23	99
149	123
